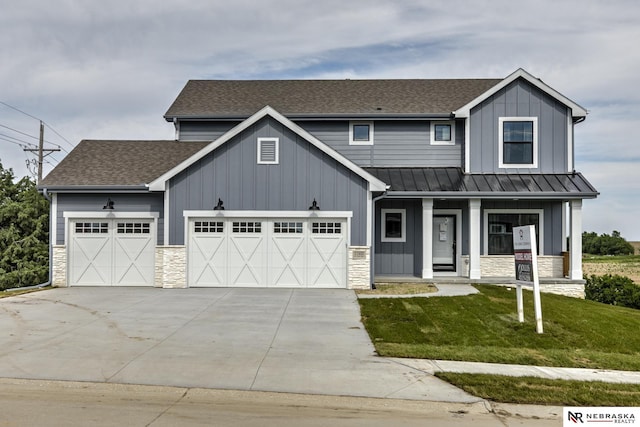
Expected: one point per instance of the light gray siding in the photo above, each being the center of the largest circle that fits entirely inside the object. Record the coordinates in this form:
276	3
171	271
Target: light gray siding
519	99
203	130
303	173
151	202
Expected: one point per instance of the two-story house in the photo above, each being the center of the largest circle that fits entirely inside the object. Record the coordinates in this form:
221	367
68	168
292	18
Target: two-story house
327	183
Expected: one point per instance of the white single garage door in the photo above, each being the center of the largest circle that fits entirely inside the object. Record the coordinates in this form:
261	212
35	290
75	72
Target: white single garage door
111	252
267	252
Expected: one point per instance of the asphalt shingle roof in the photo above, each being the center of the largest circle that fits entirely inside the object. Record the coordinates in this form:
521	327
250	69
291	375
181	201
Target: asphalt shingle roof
241	98
119	163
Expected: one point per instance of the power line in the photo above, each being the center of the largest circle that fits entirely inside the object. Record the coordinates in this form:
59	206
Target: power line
15	140
40	120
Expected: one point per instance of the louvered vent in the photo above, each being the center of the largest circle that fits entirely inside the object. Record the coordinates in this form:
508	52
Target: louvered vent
267	150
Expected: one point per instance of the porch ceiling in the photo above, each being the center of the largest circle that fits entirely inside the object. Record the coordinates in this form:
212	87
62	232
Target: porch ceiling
454	183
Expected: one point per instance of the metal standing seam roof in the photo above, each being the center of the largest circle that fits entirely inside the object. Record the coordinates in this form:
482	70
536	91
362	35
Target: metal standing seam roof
299	98
453	182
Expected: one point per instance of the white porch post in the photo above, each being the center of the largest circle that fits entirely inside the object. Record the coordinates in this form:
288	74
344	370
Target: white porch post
474	239
427	238
575	267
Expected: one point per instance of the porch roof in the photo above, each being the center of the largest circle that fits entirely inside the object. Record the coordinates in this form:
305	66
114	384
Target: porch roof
454	183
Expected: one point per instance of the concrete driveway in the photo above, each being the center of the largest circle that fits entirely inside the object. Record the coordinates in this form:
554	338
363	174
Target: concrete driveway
285	340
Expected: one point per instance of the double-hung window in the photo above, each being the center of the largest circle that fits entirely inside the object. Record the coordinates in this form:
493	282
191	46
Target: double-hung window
518	139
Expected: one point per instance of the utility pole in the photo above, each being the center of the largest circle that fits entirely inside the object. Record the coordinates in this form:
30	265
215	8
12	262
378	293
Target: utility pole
41	151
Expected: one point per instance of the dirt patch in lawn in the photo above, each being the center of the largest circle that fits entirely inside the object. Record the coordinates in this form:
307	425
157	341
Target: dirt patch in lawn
400	289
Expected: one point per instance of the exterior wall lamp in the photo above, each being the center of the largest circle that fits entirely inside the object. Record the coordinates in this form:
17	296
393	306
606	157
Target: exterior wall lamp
219	206
314	205
109	205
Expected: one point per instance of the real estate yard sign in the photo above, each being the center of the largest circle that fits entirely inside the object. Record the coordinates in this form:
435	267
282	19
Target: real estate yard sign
526	261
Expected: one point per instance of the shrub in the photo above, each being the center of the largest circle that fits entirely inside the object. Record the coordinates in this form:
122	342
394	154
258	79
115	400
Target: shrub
613	290
605	244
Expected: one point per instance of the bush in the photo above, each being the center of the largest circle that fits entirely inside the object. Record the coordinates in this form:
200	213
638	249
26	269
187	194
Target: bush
613	290
605	244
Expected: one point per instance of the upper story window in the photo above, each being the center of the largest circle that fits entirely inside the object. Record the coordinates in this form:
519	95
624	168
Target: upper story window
443	133
268	153
518	142
360	133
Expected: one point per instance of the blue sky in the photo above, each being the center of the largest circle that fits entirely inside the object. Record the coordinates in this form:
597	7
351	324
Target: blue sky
109	70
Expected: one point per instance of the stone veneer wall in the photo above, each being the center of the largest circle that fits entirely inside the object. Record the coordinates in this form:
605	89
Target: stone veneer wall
359	267
171	267
59	266
504	266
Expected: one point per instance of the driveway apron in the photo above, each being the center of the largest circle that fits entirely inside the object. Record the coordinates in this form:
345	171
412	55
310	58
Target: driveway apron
298	341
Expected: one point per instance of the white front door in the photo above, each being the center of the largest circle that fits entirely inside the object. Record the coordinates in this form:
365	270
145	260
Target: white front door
444	243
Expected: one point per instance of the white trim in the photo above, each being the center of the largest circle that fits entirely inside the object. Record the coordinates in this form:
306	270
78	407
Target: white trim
166	217
540	213
267	214
576	110
110	214
369	217
570	142
159	183
53	231
277	152
452	126
467	145
534	164
458	214
575	262
403	225
475	271
427	238
369	141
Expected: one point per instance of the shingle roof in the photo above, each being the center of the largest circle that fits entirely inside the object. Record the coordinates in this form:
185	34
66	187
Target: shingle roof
241	98
118	163
452	181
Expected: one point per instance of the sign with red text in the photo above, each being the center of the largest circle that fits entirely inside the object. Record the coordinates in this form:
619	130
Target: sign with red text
526	262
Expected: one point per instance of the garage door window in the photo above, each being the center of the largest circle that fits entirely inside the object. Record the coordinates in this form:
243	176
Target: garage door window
208	227
247	227
287	227
133	228
326	228
92	227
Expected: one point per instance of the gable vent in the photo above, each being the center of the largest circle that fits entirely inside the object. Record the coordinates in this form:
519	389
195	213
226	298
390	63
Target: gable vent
268	151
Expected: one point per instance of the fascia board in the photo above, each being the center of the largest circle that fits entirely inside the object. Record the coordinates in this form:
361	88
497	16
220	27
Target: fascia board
576	110
159	183
491	195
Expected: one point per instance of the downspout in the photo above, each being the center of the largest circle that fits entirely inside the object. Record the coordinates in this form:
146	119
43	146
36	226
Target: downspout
48	282
373	236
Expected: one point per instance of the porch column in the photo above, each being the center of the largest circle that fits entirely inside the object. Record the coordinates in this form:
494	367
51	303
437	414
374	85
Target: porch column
575	267
474	239
427	238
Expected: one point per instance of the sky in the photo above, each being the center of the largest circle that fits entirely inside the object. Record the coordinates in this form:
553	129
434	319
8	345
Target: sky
110	69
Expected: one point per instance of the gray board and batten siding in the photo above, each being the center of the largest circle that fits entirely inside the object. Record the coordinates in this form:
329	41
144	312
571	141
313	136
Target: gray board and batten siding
123	202
304	173
519	99
396	143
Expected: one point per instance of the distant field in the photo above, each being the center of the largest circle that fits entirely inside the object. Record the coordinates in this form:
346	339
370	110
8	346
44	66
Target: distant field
628	266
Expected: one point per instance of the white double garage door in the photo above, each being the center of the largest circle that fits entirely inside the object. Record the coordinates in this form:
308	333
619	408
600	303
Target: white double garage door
221	252
267	252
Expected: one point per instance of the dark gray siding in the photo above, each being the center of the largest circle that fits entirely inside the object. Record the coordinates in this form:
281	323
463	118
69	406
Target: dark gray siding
402	258
232	174
553	236
151	202
203	130
519	99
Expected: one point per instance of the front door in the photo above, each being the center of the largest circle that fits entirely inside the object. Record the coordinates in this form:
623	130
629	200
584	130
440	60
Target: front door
444	243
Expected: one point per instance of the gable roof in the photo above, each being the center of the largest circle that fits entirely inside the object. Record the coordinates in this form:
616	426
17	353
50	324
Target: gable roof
96	163
374	183
576	110
333	98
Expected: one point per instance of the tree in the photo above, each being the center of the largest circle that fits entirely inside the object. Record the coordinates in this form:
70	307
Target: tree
605	244
24	232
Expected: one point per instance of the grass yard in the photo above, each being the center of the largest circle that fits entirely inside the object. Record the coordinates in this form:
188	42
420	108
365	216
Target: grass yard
539	391
484	328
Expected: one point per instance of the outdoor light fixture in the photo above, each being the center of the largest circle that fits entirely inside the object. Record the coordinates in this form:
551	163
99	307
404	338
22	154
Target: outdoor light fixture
109	204
219	206
314	206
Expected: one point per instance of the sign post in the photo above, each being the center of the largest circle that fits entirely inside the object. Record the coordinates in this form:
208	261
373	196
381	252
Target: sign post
526	261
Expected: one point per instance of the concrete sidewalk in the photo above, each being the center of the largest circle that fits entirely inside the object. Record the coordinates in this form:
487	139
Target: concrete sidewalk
575	374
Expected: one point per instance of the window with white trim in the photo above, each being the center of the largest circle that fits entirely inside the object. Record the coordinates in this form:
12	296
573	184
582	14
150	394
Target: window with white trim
326	228
394	225
287	227
268	151
360	133
208	227
518	142
499	228
247	227
92	228
443	133
133	228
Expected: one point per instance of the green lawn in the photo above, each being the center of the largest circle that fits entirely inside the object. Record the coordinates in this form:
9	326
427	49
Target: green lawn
484	328
539	391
